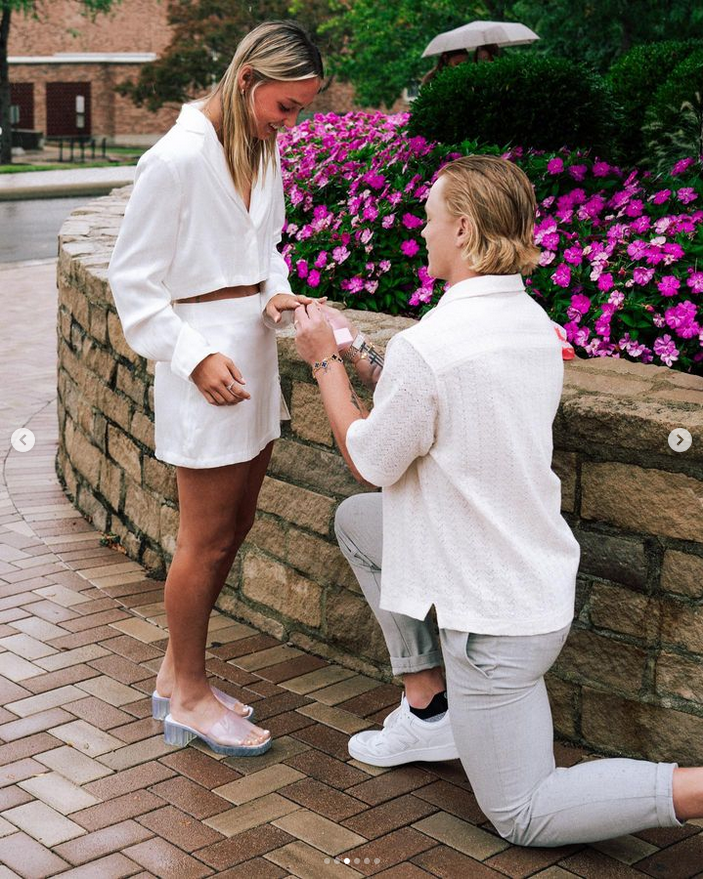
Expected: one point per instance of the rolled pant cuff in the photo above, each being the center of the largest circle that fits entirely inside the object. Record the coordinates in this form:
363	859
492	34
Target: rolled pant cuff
664	796
403	665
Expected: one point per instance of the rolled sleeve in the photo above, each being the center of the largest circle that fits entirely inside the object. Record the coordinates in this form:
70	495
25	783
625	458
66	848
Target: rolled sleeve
143	252
401	426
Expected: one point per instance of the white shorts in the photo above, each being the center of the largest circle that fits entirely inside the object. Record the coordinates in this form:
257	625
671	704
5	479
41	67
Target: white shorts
189	431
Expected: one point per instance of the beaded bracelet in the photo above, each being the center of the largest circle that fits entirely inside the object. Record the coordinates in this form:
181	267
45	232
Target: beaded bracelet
323	364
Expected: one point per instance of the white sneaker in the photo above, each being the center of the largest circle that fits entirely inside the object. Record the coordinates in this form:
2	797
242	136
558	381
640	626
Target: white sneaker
404	739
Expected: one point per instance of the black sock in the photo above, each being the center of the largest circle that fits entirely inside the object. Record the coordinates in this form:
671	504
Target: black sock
438	705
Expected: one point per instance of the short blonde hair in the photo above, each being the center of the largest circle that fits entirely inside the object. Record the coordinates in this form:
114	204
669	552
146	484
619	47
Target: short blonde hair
276	51
497	198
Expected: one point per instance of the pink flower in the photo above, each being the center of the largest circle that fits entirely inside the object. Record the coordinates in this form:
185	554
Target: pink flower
669	285
388	221
580	303
410	221
681	166
375	181
314	278
410	248
370	212
302	268
601	169
605	282
339	254
578	172
642	276
695	282
686	195
666	349
574	255
353	285
321	260
637	249
640	225
661	196
384	266
555	166
562	275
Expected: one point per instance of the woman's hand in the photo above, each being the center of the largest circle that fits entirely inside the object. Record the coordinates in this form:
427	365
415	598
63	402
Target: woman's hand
314	337
286	302
219	381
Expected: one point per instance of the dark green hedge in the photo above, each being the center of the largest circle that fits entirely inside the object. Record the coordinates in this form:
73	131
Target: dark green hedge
532	100
635	78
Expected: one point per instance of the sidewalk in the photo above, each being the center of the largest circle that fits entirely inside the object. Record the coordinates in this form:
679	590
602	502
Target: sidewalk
53	184
89	789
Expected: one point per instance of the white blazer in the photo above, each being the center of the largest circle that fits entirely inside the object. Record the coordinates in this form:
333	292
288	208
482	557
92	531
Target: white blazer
187	231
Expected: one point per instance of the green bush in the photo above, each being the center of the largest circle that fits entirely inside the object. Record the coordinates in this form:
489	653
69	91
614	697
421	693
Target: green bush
522	99
673	126
635	77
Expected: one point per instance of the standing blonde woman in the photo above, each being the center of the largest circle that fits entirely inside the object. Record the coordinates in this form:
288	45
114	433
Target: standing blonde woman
200	286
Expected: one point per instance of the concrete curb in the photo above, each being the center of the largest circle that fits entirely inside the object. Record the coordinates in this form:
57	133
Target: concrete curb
64	184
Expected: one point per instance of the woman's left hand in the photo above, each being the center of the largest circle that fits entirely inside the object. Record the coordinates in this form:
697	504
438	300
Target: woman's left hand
286	302
314	337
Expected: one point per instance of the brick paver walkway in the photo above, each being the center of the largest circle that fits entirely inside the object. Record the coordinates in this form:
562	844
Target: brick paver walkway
89	789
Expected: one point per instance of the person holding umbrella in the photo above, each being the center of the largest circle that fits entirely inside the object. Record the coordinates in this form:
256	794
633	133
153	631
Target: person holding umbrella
486	38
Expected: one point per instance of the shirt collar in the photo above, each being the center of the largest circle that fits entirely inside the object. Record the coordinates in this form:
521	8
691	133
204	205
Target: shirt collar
193	119
483	285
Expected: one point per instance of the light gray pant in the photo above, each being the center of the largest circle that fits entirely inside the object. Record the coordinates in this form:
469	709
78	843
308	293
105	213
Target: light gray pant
502	722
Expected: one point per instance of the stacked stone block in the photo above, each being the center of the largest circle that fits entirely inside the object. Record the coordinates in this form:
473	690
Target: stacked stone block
627	681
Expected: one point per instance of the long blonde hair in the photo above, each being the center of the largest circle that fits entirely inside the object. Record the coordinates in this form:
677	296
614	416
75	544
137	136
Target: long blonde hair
498	199
279	51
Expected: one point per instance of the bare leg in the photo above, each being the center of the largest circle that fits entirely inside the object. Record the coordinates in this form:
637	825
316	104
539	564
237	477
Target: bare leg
217	507
688	793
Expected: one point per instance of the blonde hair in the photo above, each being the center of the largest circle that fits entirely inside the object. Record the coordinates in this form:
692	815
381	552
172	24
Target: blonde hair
497	198
276	51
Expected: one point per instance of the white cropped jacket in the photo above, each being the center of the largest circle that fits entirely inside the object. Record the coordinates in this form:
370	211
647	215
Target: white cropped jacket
187	231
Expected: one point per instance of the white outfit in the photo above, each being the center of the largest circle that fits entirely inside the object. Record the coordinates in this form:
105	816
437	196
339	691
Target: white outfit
186	231
471	508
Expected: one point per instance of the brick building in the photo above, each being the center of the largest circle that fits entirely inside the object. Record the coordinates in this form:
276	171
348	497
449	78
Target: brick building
64	69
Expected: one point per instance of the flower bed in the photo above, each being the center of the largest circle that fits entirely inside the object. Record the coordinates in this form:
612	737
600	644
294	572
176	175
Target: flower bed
622	261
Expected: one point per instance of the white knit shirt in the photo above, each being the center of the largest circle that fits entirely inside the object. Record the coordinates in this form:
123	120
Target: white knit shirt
460	439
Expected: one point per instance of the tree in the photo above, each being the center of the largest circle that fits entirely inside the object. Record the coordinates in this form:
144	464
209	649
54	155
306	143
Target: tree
205	34
382	43
28	7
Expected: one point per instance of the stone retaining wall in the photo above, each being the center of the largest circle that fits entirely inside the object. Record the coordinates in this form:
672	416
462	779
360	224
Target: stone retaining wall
628	680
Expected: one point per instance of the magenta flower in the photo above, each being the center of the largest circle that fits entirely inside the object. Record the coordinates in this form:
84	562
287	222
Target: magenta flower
695	282
605	282
321	260
681	166
339	254
661	196
555	166
641	225
410	248
410	221
669	285
562	275
574	255
578	172
665	348
580	303
686	195
314	278
302	268
601	169
388	221
642	275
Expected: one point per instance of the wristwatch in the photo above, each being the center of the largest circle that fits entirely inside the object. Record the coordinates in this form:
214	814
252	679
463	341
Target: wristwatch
357	350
